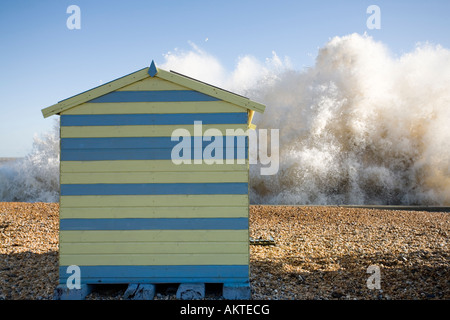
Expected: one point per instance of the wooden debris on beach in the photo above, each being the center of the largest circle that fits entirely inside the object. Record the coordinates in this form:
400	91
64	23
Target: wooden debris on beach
262	242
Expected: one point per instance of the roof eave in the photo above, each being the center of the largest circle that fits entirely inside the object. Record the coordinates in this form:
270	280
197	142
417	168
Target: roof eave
152	71
95	92
210	90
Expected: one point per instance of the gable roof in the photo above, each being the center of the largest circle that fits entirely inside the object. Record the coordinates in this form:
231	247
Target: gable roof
153	71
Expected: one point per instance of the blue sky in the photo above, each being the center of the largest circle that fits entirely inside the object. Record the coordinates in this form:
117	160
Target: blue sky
43	62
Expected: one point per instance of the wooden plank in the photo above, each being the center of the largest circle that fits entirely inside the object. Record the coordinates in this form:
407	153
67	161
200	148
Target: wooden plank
151	142
155	108
95	92
153	212
145	131
154	259
223	200
153	119
172	236
128	166
151	279
262	242
210	90
153	189
155	224
153	247
231	155
152	84
160	274
153	96
154	177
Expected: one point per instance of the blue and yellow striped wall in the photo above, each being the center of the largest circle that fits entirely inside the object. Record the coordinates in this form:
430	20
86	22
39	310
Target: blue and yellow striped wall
130	215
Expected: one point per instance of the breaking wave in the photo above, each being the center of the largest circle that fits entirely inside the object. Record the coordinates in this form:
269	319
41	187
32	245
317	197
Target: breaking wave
360	127
36	176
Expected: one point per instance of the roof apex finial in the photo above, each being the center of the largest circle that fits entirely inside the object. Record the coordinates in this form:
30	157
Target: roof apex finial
152	71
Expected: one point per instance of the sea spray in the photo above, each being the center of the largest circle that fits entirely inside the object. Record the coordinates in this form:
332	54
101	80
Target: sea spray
360	126
34	178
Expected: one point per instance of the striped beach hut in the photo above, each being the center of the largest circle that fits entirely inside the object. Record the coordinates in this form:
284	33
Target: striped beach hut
154	182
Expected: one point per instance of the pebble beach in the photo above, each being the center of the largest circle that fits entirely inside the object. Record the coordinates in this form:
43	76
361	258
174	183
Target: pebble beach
318	253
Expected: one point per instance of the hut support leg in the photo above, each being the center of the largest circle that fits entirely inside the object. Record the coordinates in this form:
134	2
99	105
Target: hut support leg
140	291
191	291
236	291
64	293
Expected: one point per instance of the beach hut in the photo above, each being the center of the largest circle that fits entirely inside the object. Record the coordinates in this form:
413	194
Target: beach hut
154	185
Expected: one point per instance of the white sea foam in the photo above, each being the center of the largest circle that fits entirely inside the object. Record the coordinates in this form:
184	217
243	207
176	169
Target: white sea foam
359	127
36	176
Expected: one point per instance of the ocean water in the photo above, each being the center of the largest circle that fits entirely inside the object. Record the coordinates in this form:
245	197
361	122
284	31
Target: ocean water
360	126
